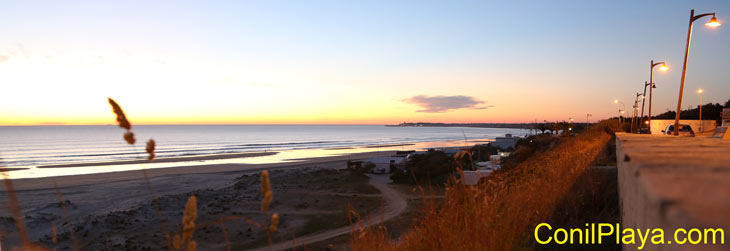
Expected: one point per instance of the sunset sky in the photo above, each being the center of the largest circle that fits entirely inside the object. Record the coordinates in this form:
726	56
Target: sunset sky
347	62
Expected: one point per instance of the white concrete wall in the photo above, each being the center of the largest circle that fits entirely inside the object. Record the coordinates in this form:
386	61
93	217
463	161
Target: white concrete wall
657	125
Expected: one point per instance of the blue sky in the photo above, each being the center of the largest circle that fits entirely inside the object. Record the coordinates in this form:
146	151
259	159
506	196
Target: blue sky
338	61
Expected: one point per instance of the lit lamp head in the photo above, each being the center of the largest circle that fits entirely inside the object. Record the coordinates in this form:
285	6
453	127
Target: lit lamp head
713	22
700	91
615	101
663	67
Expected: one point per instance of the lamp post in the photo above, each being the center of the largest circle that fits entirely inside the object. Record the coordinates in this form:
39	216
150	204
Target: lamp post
700	91
643	100
663	67
712	23
635	112
620	111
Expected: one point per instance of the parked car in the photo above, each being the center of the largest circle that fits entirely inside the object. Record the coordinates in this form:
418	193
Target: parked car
684	130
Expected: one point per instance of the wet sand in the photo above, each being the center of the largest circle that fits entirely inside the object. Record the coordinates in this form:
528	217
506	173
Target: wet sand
97	178
166	160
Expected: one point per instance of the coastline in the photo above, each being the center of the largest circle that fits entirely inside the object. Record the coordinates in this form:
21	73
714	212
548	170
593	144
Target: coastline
90	172
129	175
164	160
97	195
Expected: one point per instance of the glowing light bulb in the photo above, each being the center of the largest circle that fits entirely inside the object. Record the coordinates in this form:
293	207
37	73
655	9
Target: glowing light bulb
713	22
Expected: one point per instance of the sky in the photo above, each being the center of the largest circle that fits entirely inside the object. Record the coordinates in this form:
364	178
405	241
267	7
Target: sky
350	62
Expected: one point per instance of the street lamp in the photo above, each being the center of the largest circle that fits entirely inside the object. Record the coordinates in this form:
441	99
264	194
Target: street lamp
700	91
635	112
662	67
713	23
620	111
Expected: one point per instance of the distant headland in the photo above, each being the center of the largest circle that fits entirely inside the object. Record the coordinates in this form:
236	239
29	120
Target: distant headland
484	125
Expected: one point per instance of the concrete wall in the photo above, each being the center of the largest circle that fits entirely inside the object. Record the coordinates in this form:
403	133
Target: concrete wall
657	125
673	182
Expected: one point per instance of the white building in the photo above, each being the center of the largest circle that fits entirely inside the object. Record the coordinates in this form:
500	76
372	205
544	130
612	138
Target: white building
485	169
473	177
505	142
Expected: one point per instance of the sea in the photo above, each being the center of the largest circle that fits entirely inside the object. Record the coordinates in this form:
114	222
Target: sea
28	147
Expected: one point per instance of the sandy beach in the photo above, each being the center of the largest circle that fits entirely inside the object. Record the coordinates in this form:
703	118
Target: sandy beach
221	169
115	209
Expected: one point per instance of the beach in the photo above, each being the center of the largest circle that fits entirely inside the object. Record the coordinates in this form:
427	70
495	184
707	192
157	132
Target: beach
121	203
313	196
102	197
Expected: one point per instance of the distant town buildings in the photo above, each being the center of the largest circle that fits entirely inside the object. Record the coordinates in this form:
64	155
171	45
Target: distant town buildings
506	142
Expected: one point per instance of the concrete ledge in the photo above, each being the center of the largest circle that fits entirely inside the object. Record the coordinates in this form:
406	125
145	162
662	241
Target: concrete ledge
674	182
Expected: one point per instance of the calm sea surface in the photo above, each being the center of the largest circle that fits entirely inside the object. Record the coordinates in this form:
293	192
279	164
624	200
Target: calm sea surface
30	146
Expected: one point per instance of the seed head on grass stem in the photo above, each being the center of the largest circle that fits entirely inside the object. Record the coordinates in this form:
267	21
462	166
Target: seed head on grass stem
266	191
150	149
274	222
129	137
121	118
185	239
191	212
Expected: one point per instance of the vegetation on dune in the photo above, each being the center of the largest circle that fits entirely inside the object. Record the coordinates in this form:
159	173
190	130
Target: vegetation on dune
501	212
528	147
434	167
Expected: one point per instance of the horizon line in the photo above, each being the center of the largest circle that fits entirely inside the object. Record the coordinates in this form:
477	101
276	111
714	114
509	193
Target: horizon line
265	124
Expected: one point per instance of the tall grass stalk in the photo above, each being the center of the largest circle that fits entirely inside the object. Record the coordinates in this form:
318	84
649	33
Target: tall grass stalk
14	208
62	203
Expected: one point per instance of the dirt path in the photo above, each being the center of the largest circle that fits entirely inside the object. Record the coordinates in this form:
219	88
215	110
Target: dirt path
395	204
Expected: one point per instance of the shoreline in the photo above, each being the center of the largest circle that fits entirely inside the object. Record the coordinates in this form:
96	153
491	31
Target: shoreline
164	160
127	175
65	175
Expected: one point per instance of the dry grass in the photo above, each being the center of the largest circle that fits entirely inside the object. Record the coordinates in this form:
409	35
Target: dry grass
500	213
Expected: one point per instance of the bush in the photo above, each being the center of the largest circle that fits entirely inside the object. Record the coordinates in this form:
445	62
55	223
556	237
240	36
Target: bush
434	167
359	166
482	152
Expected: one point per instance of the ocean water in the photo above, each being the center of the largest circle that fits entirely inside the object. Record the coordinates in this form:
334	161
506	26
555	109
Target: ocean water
31	146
